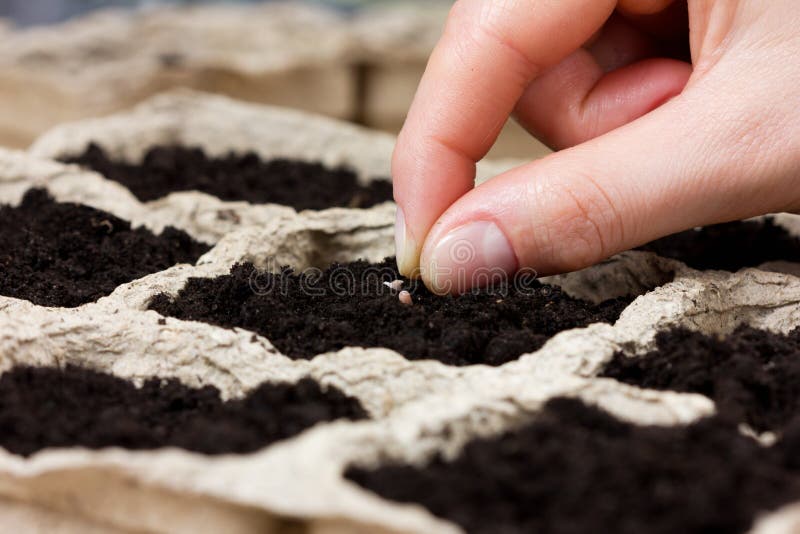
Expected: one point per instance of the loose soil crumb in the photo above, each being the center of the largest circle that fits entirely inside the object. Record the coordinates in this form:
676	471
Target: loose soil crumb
752	375
576	469
301	185
71	407
349	305
65	254
729	246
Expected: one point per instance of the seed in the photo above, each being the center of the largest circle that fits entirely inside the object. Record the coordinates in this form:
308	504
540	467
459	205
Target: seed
405	298
395	285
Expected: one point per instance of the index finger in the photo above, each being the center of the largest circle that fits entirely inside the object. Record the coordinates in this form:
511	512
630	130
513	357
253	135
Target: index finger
490	52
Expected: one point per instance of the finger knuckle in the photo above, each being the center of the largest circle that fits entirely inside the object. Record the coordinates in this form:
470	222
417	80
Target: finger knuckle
485	24
578	222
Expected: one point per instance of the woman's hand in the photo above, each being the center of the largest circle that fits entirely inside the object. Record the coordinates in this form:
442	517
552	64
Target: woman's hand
653	144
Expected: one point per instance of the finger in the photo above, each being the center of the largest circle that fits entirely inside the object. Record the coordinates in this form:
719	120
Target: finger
601	88
663	173
488	55
577	101
620	43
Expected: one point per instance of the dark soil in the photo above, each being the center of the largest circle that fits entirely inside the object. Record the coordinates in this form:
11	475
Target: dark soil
348	305
301	185
64	254
752	375
46	407
729	246
576	469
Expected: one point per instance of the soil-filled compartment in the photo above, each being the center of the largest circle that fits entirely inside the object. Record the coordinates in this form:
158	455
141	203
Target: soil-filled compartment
752	375
237	177
576	469
42	407
349	305
64	254
729	246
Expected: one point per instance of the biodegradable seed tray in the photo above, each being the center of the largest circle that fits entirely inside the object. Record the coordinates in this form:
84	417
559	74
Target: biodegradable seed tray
416	409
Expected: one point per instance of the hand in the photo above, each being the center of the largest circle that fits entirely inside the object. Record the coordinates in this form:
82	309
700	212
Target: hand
652	144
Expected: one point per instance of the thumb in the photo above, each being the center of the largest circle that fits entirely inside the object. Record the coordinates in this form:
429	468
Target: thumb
696	160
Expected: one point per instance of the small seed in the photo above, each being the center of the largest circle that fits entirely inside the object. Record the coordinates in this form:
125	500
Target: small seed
104	223
405	298
395	285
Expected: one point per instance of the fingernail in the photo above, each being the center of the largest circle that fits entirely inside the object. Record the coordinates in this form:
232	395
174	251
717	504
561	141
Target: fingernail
405	247
473	255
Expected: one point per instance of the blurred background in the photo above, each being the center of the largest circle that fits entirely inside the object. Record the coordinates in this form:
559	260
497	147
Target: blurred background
356	60
29	12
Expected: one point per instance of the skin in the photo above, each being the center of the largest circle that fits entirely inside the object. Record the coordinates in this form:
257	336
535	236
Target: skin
666	114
